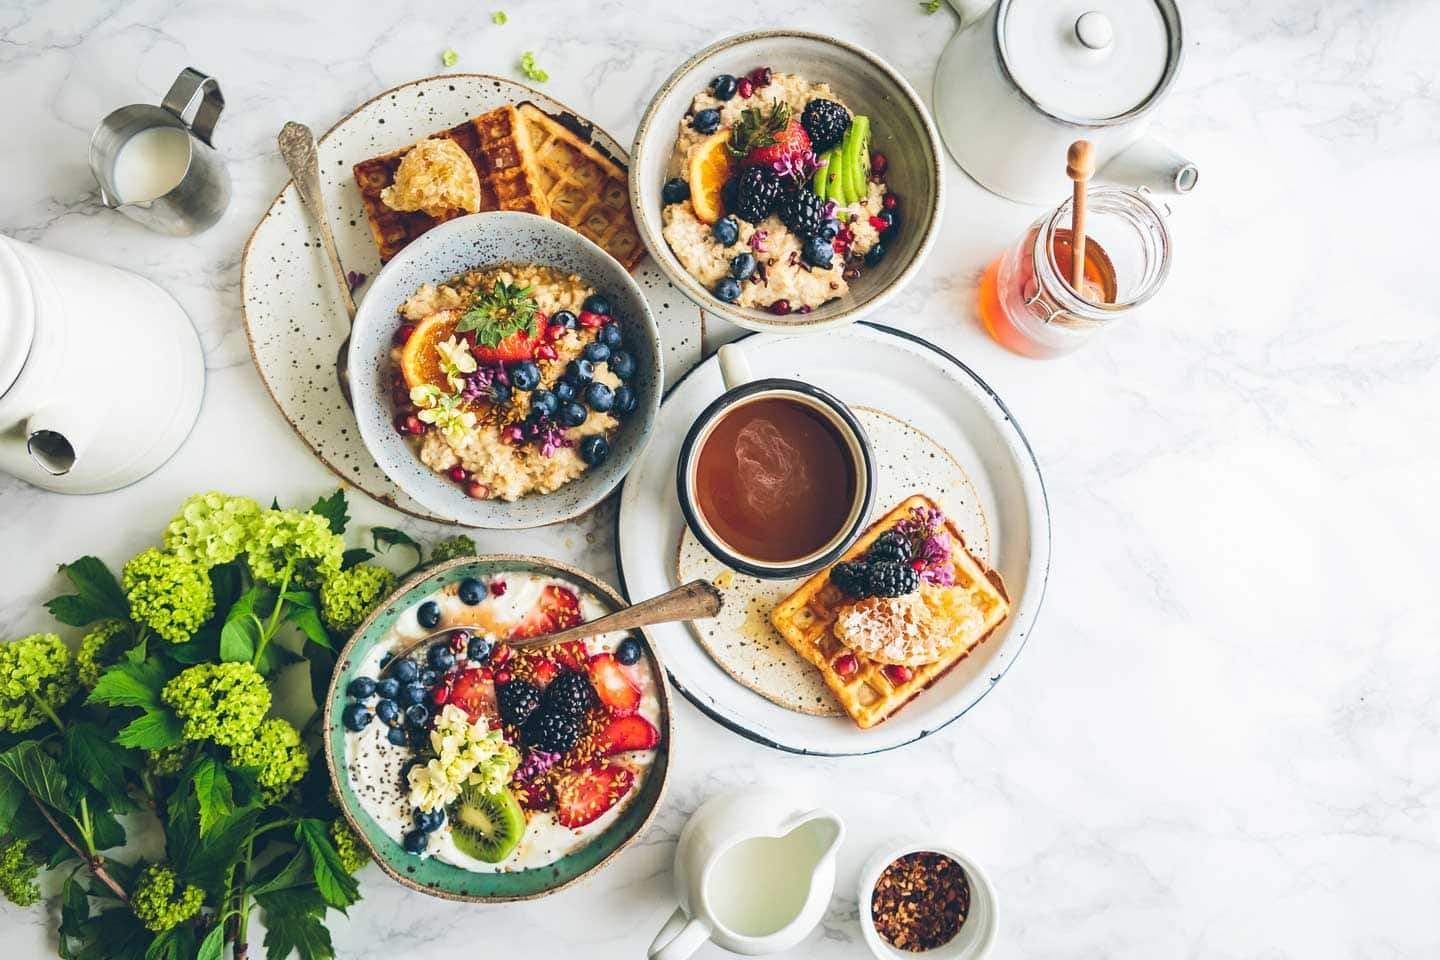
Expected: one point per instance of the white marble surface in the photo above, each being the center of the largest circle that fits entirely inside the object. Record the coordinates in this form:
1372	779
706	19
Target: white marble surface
1224	737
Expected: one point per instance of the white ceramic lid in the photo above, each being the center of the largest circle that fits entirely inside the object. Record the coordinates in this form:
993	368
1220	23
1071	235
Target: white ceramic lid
17	315
1086	60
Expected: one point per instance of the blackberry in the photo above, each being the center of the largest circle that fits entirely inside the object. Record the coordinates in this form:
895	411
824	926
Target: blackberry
853	579
891	545
755	194
569	694
802	212
517	699
825	121
551	732
890	579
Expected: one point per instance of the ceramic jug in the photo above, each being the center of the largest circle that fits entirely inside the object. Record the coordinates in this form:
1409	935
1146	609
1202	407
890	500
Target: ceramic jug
753	873
101	372
1025	78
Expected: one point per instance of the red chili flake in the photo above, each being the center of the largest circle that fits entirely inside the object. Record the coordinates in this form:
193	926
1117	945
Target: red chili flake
920	901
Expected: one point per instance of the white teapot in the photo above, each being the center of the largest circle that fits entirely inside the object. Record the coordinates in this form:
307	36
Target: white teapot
1025	78
101	373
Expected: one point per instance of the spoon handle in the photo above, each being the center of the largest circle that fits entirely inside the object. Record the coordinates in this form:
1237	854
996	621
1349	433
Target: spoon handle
698	598
297	147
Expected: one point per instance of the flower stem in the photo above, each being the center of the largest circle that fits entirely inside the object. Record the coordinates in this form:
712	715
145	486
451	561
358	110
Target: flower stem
96	862
274	623
46	709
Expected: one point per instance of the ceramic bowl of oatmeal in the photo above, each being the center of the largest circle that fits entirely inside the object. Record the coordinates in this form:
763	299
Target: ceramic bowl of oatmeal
505	371
787	181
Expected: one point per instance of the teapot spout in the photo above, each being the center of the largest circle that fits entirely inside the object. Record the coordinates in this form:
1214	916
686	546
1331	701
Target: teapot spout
1149	163
56	438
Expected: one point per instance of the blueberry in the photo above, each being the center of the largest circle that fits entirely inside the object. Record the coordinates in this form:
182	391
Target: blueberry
723	87
610	335
440	657
622	364
596	303
429	820
472	591
625	400
564	318
411	694
599	397
355	716
388	711
428	678
582	371
416	715
385	660
388	689
524	375
416	840
875	254
594	449
479	650
543	402
676	190
361	688
629	651
817	252
501	392
572	415
596	352
564	391
406	671
705	121
429	615
726	231
728	290
396	735
830	229
742	266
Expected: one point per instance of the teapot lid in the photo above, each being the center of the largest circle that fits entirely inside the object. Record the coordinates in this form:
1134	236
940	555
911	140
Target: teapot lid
17	315
1089	62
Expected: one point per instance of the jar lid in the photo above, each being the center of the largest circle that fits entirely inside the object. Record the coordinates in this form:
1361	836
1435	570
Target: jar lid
1089	61
17	315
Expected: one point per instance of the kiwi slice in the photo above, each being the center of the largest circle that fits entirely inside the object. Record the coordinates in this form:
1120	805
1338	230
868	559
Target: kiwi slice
486	826
818	184
856	161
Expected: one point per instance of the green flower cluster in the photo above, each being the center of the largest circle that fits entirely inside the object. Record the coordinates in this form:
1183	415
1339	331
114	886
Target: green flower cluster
223	702
167	761
18	871
353	854
348	596
160	901
100	648
303	542
452	548
276	754
171	596
211	528
37	678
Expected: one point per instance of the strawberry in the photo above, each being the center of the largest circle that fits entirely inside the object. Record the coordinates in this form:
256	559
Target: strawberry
788	143
573	654
556	609
613	685
544	672
518	346
582	795
627	733
535	795
474	692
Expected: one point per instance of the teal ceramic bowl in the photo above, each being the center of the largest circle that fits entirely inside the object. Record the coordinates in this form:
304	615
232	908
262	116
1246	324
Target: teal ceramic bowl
442	879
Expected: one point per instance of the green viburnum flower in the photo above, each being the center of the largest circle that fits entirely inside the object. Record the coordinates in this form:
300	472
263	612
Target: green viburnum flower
160	900
303	542
211	528
499	18
276	753
18	871
224	702
37	678
348	596
169	595
449	57
167	761
531	69
353	854
100	648
443	550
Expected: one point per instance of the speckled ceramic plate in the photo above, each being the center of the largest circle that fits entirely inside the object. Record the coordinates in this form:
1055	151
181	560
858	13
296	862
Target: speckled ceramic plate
911	380
293	315
442	879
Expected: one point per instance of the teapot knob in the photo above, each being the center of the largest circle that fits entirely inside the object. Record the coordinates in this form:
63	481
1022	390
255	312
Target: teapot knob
1094	30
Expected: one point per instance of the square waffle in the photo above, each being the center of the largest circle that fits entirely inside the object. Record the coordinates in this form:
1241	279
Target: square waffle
587	191
807	617
496	142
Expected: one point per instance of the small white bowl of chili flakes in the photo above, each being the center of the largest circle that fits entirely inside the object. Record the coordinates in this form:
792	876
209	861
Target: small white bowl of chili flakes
924	899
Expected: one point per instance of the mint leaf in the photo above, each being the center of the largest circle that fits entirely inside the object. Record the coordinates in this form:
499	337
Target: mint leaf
98	595
335	510
242	629
152	730
294	924
337	887
92	757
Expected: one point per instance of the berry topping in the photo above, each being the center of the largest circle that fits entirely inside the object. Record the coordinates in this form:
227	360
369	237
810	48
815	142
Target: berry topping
557	609
852	579
756	192
625	401
629	651
571	414
429	615
594	449
622	364
474	693
407	671
891	201
564	318
355	716
705	121
826	122
723	87
583	795
897	673
517	700
780	307
760	77
440	658
523	375
875	254
396	735
361	688
764	138
743	266
597	303
517	346
890	579
891	545
818	252
551	732
416	840
727	290
569	694
627	733
676	190
744	87
726	231
581	371
478	650
802	211
613	685
846	664
591	320
402	333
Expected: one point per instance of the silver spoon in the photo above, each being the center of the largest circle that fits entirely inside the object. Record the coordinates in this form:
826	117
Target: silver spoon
696	599
297	146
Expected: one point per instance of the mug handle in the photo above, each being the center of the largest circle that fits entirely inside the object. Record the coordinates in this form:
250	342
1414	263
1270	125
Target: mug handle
192	86
679	937
734	368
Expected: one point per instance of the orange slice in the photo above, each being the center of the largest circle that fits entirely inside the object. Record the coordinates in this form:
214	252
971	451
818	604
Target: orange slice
419	360
710	166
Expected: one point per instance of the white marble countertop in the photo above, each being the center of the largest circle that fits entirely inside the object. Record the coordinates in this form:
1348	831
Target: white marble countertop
1221	740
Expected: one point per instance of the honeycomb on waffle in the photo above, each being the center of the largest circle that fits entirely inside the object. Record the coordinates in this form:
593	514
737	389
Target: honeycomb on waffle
807	617
497	143
586	190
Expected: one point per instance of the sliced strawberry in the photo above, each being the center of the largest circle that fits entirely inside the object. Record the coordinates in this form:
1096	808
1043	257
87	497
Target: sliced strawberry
556	609
582	795
613	685
790	142
573	654
627	733
474	692
537	794
544	672
518	346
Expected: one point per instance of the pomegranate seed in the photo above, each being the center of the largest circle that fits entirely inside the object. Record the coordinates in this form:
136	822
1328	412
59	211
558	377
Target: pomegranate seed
402	333
590	321
878	164
476	490
411	425
500	654
917	565
760	76
545	352
897	672
458	474
744	87
846	664
556	331
780	307
879	224
440	695
891	201
458	643
502	676
497	587
486	673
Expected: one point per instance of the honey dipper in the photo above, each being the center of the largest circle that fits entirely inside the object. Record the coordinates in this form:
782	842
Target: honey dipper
1080	167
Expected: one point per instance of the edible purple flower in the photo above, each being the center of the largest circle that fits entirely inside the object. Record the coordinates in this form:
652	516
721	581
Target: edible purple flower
535	764
513	433
828	211
757	240
355	280
798	166
553	438
932	544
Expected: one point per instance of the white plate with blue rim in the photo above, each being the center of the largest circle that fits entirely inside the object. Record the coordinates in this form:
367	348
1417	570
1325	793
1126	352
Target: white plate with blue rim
927	405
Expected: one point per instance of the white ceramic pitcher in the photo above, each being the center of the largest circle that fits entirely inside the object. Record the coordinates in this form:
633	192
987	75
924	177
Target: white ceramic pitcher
753	872
101	373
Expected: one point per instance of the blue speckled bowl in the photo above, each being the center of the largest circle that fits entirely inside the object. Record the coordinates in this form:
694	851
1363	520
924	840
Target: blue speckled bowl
481	240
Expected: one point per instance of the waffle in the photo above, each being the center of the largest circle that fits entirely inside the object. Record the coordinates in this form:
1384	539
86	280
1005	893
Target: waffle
586	190
806	619
496	142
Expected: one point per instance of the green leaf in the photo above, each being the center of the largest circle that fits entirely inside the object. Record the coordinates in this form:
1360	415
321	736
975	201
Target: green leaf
130	684
205	861
284	875
11	796
108	832
38	773
242	629
74	611
213	946
177	943
334	509
322	667
152	730
98	595
307	618
275	657
74	913
355	556
213	792
274	503
201	648
505	310
92	757
294	924
386	537
226	580
337	887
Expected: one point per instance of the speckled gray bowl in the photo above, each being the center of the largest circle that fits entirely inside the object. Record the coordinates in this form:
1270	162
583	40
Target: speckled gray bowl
900	128
482	240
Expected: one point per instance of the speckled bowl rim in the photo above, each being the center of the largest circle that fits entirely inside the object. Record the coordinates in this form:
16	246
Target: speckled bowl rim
660	251
333	697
